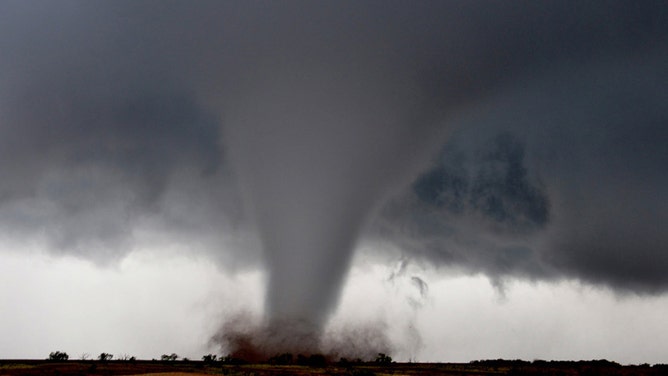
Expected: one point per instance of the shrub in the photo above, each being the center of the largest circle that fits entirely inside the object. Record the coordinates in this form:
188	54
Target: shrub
383	359
103	357
209	358
169	358
58	356
283	359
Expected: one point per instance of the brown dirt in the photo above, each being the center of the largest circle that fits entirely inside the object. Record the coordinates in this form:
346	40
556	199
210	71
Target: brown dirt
171	374
197	368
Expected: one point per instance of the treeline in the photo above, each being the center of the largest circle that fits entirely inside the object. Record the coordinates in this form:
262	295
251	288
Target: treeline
558	363
312	360
320	360
60	356
543	363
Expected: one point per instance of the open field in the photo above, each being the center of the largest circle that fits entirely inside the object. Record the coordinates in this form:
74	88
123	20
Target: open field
197	368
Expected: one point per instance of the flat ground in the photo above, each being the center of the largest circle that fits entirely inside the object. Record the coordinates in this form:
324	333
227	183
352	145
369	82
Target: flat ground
198	368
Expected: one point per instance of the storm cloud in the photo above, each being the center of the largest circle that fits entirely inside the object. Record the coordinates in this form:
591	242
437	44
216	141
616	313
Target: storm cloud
559	179
314	124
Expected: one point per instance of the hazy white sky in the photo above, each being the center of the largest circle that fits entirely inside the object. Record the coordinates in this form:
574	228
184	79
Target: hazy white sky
149	305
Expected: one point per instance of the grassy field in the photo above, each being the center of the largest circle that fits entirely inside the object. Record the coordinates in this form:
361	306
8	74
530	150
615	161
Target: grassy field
195	368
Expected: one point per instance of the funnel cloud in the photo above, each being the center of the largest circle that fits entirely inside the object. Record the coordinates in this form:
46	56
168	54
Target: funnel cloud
315	155
515	139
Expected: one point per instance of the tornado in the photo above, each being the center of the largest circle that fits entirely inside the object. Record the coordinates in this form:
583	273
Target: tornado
322	120
315	153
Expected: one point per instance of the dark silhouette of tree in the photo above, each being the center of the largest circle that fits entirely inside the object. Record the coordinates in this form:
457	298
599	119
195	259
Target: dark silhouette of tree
383	359
58	356
169	358
210	358
283	359
229	359
103	357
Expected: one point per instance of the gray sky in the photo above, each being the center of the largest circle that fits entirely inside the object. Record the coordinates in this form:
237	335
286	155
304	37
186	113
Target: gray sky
499	153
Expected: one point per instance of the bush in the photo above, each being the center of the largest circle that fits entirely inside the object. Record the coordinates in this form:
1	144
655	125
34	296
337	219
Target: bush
169	358
58	356
210	358
283	359
103	357
383	359
229	359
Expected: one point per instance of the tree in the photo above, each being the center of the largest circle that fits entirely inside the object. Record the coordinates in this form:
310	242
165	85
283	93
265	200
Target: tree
170	358
58	356
210	358
283	359
104	357
229	359
383	359
126	357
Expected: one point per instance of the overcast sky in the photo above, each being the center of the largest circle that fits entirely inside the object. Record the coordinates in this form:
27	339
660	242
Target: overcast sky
457	180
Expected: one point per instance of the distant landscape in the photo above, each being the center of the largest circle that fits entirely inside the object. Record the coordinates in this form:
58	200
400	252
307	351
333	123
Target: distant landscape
286	364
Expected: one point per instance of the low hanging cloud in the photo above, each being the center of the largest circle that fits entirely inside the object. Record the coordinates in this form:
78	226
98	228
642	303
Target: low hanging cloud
100	138
85	170
561	178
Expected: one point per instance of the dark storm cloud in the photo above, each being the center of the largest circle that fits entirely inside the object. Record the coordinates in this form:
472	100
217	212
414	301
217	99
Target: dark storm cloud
117	114
496	187
560	178
96	127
